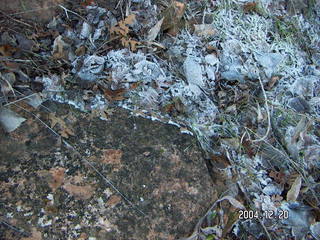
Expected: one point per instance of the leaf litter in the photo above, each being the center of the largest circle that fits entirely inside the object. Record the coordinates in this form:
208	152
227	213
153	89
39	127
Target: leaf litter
181	87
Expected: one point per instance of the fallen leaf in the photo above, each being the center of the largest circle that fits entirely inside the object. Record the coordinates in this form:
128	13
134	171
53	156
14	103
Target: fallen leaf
234	202
87	3
204	30
79	192
105	224
272	82
250	7
60	49
315	230
10	120
294	191
114	95
6	82
154	31
7	50
172	17
80	51
279	177
35	100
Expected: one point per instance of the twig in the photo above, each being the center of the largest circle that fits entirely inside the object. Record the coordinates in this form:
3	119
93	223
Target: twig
20	99
268	113
16	20
67	10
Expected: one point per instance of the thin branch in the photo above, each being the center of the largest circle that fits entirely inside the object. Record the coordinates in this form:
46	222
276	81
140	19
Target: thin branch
268	113
16	20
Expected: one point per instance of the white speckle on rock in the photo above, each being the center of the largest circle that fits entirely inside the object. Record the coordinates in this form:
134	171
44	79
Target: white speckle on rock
28	214
50	196
77	227
43	223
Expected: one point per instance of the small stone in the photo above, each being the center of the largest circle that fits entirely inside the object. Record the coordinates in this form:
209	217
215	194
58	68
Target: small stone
299	104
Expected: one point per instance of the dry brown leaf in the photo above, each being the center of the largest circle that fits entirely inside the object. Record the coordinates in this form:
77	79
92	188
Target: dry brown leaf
121	28
57	175
272	82
279	177
220	161
129	19
172	17
87	3
114	95
7	50
80	51
79	192
294	191
250	7
111	156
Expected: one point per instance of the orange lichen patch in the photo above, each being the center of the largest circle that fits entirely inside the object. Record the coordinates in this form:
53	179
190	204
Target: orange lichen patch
79	192
111	156
113	200
57	178
36	235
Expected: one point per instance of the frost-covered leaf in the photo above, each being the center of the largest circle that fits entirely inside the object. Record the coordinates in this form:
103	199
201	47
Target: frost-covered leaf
204	30
34	100
60	49
294	191
193	71
10	120
270	62
315	230
6	82
233	201
153	32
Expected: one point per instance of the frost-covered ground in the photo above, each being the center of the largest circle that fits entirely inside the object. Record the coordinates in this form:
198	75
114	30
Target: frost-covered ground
246	82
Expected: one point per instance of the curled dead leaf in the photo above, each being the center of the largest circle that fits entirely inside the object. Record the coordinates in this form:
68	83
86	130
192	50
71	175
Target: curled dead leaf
114	95
294	191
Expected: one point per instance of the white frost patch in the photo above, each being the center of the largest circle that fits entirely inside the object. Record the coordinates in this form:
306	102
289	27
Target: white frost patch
43	222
